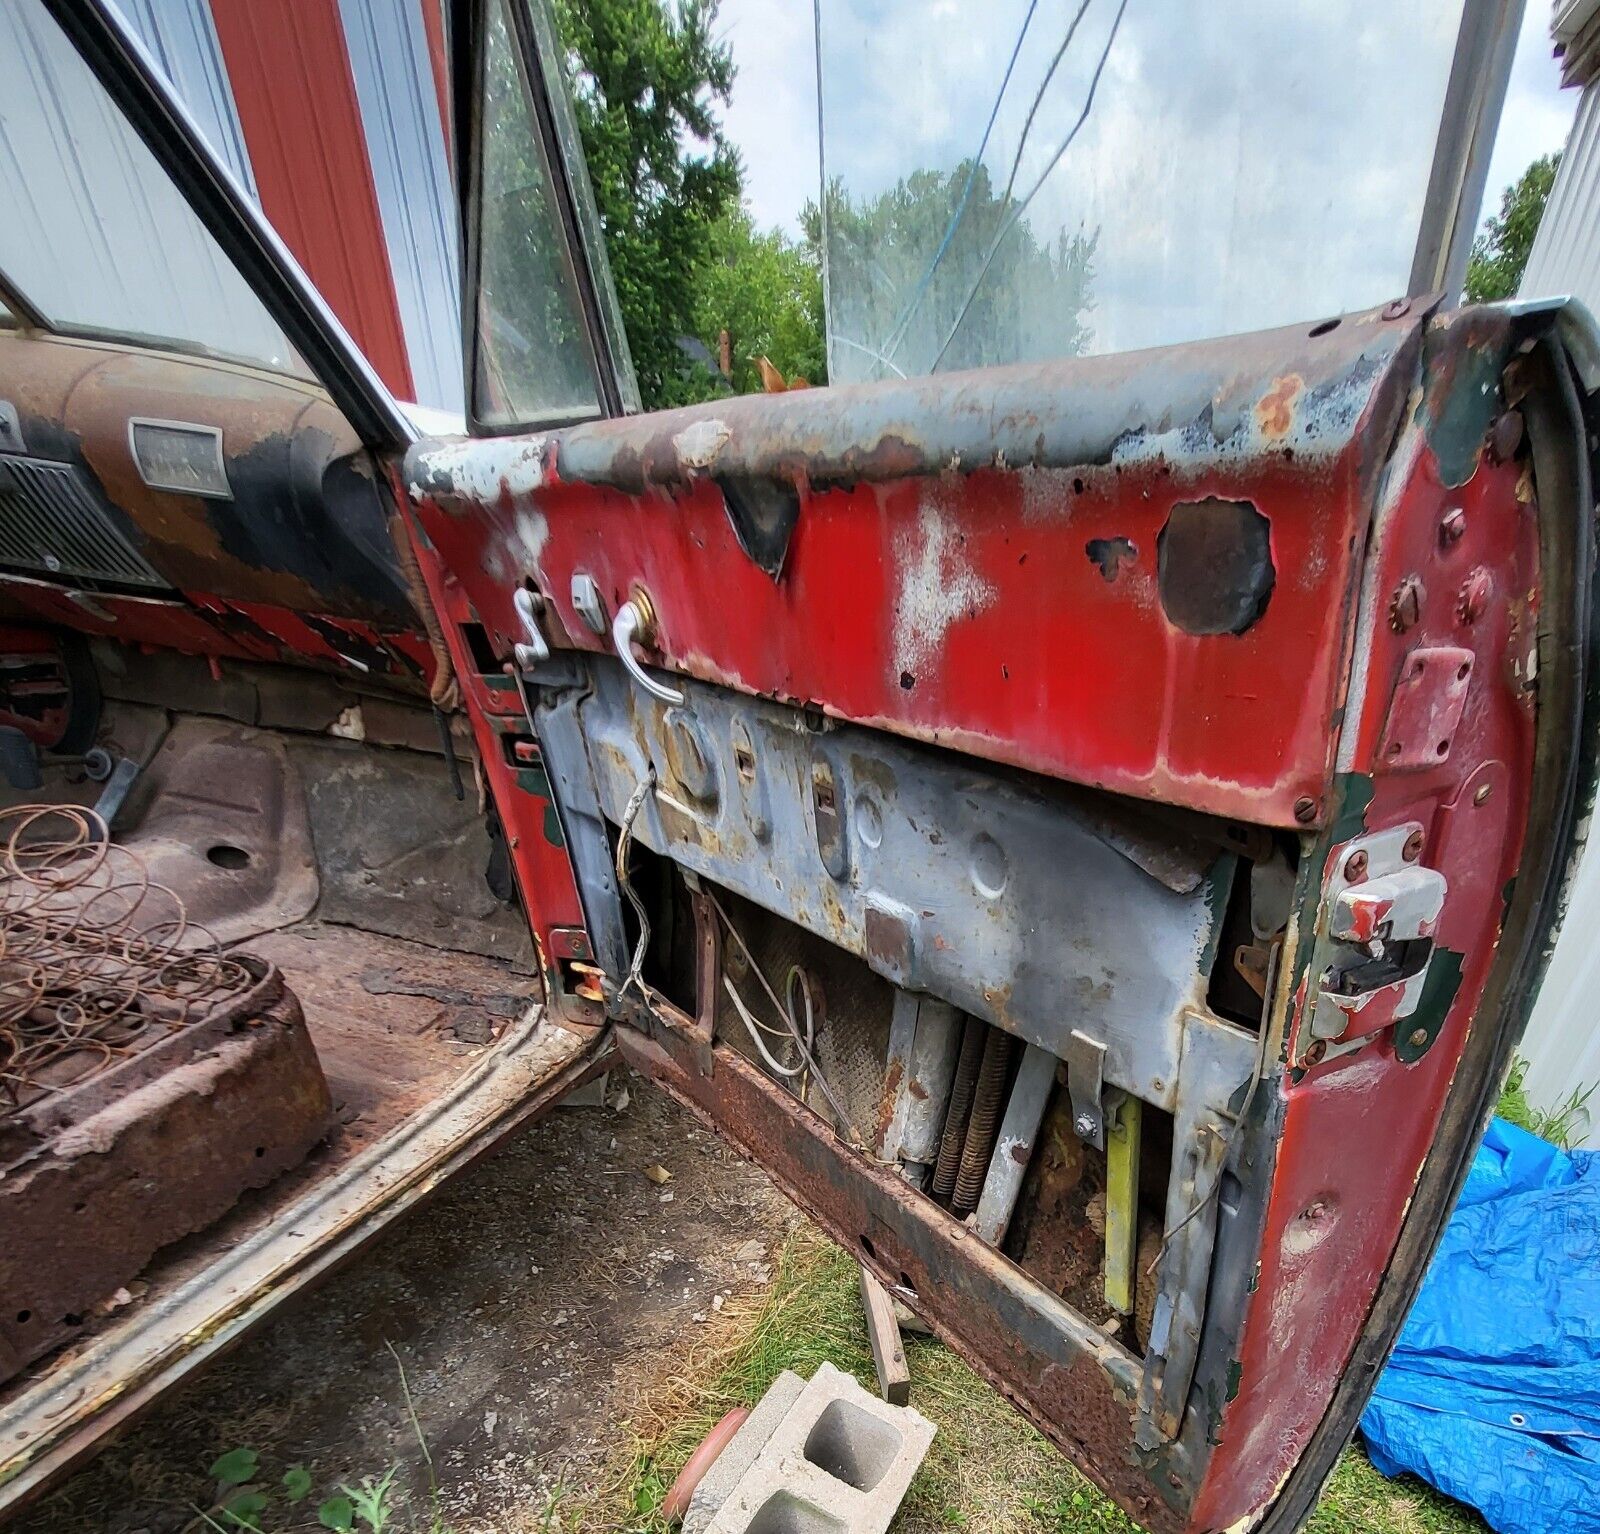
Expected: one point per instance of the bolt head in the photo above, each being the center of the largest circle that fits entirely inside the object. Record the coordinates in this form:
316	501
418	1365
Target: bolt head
1419	1037
1084	1124
1505	435
1405	605
1413	847
1482	792
1355	867
1452	525
1473	598
1396	308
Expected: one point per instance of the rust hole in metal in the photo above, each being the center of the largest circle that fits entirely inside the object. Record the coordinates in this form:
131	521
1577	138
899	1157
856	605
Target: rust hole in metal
1214	566
226	855
1109	555
907	680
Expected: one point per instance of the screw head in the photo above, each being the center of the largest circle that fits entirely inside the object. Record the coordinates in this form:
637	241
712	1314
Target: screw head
1315	1053
1084	1124
1481	793
1305	809
1405	605
1413	847
1452	525
1505	435
1355	867
1419	1037
1473	598
1396	308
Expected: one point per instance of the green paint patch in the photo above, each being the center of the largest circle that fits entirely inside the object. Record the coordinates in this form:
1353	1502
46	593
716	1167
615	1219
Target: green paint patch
552	826
1438	996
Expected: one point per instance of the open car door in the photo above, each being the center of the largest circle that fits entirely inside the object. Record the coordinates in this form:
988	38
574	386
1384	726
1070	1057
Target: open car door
1090	830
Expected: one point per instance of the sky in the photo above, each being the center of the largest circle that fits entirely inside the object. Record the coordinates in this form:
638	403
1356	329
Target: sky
1279	185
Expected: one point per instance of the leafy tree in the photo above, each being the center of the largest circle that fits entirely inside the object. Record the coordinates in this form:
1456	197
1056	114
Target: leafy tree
904	264
765	290
647	77
1500	252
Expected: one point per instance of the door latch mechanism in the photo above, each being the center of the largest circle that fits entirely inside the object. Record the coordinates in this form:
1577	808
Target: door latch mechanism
1375	934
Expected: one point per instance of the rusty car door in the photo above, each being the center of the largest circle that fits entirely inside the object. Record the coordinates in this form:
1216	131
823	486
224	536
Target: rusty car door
1090	830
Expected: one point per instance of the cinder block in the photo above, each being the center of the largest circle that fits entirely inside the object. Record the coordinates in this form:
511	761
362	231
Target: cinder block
839	1462
729	1466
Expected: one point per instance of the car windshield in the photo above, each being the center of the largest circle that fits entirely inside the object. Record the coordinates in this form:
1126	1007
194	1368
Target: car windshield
1082	176
96	237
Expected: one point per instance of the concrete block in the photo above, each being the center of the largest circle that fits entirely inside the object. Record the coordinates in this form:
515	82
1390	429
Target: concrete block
839	1462
729	1466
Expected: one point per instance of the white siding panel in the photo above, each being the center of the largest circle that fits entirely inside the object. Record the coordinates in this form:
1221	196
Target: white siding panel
1562	1044
1566	251
94	232
182	39
388	49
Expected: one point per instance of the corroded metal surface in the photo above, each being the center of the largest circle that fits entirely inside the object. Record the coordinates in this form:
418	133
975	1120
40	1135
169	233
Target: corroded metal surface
295	562
974	561
1072	1380
95	1178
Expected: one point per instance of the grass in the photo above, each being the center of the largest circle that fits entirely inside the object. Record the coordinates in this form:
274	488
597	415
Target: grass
1560	1126
988	1469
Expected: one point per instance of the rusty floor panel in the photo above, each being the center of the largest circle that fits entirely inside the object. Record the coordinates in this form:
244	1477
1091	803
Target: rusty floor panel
97	1177
394	1022
394	1025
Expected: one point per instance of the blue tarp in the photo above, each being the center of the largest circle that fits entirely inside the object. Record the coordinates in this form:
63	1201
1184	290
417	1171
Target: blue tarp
1493	1391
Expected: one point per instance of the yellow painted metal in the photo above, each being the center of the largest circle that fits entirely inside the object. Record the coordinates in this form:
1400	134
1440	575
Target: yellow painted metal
1122	1202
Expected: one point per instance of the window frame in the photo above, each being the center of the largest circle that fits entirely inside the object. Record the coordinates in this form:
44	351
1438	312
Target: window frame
576	223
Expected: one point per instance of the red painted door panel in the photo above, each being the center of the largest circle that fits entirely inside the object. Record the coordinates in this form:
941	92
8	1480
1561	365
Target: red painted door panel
1322	596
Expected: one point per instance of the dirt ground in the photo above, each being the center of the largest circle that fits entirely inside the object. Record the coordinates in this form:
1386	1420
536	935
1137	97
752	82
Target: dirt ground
528	1303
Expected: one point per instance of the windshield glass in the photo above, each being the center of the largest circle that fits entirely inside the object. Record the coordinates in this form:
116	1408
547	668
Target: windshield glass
95	235
1079	176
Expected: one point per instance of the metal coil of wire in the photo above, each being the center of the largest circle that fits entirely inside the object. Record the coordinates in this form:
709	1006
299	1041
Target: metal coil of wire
95	956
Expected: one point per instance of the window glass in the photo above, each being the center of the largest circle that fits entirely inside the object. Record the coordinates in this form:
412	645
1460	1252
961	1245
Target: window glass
533	357
1080	176
95	234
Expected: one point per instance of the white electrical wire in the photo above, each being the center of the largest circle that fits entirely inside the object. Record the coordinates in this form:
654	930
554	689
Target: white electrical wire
754	1029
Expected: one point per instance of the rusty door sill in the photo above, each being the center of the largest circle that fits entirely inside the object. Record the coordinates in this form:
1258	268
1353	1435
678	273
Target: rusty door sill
56	1419
1076	1383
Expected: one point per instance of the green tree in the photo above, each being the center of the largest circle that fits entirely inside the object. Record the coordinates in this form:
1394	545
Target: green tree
1500	252
916	279
647	77
765	290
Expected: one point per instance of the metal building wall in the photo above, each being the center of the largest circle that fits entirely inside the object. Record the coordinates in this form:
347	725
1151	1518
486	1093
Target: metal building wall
81	191
400	114
1562	1045
183	41
1566	251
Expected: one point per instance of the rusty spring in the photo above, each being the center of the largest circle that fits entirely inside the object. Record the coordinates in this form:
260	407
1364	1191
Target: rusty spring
93	953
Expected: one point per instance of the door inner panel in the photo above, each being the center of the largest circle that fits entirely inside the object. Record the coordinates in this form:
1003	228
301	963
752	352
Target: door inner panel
1062	822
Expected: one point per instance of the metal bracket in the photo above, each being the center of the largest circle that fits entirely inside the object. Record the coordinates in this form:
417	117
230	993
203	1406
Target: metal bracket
1086	1061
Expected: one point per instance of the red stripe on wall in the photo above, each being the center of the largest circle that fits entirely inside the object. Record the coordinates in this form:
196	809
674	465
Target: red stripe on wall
296	98
433	25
